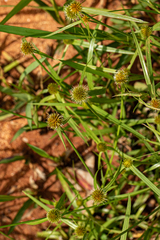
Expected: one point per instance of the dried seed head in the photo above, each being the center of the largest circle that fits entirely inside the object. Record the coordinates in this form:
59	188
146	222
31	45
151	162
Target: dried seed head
101	147
52	88
55	120
98	196
155	103
80	231
146	31
121	76
54	215
127	163
73	10
27	48
157	119
68	41
79	202
79	94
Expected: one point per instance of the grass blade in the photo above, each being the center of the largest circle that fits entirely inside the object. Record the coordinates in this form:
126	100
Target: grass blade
126	220
107	13
145	180
15	10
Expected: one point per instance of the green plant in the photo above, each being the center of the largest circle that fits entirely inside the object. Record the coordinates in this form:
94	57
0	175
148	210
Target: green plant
107	100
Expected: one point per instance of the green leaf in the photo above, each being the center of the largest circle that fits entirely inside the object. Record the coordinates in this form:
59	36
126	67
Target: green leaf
145	180
97	91
20	214
29	114
12	159
6	236
108	13
37	221
61	201
156	27
16	114
143	64
15	10
41	152
6	198
91	69
29	69
126	220
64	28
37	201
18	133
66	186
101	48
155	166
29	32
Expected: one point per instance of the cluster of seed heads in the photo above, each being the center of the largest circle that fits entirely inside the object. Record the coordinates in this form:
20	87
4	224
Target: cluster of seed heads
101	147
121	76
79	94
80	231
155	103
52	88
73	12
127	163
98	196
146	31
54	215
157	119
55	120
27	48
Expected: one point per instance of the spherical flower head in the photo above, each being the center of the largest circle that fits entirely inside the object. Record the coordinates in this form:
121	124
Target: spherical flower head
52	88
127	163
79	202
101	147
121	76
79	94
54	215
80	231
73	10
98	196
146	31
55	120
155	103
75	7
85	19
157	119
27	48
68	41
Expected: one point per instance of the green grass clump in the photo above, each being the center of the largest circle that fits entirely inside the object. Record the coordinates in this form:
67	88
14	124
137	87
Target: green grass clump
113	98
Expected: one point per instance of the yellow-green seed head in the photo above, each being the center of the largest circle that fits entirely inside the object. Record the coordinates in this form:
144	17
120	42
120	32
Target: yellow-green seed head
98	196
127	163
80	231
101	147
75	7
68	41
85	19
55	120
121	76
79	202
146	31
52	88
157	119
27	48
73	10
54	215
79	94
155	103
